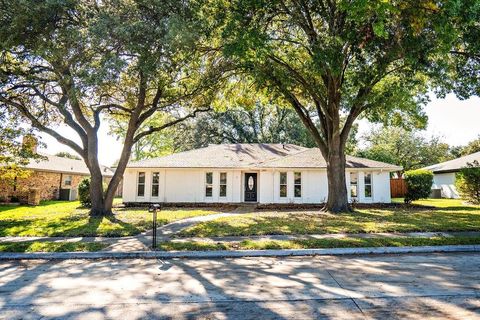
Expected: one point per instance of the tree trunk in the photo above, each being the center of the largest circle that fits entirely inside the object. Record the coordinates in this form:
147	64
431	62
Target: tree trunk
337	189
96	196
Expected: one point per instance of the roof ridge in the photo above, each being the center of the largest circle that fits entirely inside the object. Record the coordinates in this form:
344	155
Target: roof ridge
287	156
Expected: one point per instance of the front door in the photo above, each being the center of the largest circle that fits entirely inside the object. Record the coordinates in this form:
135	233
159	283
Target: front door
251	187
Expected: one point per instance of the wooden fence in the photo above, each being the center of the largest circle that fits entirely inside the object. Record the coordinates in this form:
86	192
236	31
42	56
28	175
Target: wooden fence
398	188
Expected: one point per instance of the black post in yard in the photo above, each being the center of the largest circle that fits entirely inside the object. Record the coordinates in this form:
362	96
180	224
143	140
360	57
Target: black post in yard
154	208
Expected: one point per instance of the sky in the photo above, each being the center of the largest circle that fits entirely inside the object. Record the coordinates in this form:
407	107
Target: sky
457	122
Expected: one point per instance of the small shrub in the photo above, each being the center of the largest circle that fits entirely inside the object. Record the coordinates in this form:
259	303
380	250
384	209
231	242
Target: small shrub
84	193
468	182
419	184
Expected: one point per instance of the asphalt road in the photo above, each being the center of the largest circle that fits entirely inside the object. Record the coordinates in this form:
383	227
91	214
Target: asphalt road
433	286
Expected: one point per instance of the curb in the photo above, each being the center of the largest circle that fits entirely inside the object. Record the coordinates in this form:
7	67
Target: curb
235	253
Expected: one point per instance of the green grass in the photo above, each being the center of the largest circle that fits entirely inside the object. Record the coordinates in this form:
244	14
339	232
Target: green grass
63	218
37	246
447	215
316	243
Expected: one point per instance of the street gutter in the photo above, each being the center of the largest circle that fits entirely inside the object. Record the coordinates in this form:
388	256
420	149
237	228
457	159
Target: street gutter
235	253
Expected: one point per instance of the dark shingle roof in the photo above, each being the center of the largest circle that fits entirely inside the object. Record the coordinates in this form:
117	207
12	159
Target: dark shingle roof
64	165
252	155
221	156
455	164
312	158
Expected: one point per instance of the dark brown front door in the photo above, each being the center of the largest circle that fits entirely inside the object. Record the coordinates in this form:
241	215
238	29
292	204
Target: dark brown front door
251	187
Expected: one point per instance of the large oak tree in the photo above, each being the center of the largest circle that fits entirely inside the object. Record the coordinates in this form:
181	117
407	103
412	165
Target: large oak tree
336	60
79	62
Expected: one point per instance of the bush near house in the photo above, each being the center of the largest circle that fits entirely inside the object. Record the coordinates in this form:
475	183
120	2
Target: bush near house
468	182
84	192
419	184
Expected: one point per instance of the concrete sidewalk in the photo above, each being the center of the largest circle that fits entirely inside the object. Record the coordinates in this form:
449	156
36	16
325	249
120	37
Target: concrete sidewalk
143	242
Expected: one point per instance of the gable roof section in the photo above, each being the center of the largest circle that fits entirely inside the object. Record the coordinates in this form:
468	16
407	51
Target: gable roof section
221	156
312	158
253	155
455	164
64	165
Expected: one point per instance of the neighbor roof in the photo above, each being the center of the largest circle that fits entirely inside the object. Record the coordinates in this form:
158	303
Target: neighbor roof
455	164
64	165
253	155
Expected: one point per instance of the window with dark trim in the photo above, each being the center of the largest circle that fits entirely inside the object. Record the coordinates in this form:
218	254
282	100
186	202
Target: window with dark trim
283	184
208	184
155	184
141	184
297	186
223	184
368	185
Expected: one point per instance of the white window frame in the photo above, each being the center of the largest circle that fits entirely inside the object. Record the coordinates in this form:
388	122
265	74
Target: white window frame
352	184
138	183
208	185
365	184
70	180
220	184
156	184
295	184
283	184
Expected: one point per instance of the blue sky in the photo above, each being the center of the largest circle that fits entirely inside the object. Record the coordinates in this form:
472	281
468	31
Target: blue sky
456	121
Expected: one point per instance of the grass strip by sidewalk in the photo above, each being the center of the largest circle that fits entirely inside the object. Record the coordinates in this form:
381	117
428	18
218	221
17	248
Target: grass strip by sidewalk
49	246
316	243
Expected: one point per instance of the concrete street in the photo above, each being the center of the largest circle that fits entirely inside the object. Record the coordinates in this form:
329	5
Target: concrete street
411	286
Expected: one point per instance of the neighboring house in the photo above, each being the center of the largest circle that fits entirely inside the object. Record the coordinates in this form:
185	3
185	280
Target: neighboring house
444	174
263	173
54	177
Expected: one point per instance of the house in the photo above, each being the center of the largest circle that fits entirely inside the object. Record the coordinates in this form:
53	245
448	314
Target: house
444	175
54	177
263	173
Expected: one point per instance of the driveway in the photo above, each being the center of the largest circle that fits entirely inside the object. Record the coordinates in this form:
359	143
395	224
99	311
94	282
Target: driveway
347	287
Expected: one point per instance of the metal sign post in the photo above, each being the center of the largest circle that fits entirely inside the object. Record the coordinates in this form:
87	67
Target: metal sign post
153	209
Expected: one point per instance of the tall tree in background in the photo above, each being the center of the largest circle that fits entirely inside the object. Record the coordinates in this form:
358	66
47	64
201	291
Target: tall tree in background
407	148
78	62
262	123
17	147
330	59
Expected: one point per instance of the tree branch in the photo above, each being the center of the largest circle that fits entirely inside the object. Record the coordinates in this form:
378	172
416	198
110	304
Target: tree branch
169	124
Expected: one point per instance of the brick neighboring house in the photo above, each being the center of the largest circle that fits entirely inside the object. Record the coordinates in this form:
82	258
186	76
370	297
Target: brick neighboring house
55	177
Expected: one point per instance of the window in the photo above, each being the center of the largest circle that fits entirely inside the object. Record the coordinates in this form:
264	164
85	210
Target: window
368	185
223	184
353	184
283	184
141	184
155	184
297	185
208	184
67	180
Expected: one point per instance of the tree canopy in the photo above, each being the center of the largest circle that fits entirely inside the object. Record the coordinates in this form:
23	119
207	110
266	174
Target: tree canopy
78	62
334	60
407	148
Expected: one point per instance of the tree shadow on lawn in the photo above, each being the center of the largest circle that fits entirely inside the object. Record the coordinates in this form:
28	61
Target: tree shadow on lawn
79	225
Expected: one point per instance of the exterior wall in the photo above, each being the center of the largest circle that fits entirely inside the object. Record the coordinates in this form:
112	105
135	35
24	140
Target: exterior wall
48	184
445	182
181	185
188	185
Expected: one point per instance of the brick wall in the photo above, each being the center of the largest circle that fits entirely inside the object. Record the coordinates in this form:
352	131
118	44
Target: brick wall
47	182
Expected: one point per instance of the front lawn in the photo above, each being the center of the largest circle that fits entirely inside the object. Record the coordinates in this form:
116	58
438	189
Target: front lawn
316	243
48	246
436	215
68	219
